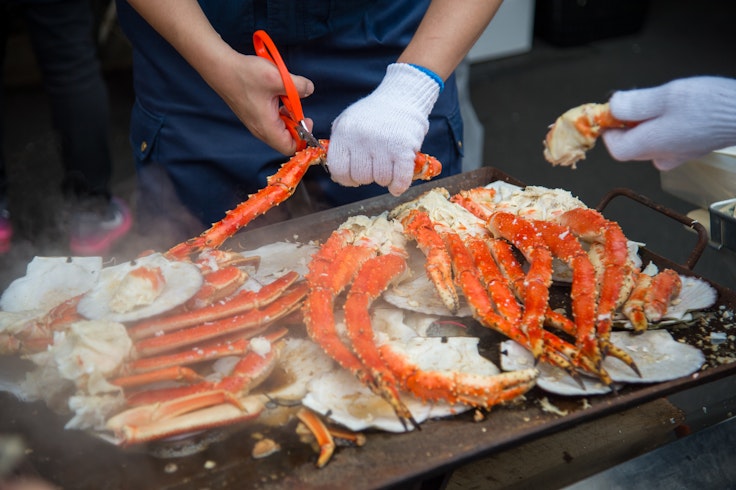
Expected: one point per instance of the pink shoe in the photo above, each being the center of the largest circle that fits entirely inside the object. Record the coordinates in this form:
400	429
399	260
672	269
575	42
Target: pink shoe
6	231
94	233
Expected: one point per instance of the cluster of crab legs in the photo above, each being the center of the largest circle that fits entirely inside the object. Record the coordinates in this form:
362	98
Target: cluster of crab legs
471	252
221	320
470	247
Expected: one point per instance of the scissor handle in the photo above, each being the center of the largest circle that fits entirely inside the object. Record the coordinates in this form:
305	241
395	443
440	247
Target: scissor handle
265	48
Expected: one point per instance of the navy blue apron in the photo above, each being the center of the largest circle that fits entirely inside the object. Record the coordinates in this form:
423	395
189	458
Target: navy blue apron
181	131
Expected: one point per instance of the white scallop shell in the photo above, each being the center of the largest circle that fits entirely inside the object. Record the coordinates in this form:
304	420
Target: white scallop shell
277	259
419	294
658	356
696	294
183	280
49	281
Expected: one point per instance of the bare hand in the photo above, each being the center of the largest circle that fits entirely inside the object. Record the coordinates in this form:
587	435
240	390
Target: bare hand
251	87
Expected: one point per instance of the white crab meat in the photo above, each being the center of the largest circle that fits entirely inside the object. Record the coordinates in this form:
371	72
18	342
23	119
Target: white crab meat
72	373
565	144
120	296
49	281
534	202
658	356
140	287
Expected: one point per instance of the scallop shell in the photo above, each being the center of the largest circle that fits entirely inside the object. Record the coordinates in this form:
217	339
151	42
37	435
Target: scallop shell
658	356
419	294
696	294
183	279
277	259
49	281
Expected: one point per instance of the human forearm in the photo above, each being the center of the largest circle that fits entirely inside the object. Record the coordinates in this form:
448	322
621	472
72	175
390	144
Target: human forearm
447	32
184	25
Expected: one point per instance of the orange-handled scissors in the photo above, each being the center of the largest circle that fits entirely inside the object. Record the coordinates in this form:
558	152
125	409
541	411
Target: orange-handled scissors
265	48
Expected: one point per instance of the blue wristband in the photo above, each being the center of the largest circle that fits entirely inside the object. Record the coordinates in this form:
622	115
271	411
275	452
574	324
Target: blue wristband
431	75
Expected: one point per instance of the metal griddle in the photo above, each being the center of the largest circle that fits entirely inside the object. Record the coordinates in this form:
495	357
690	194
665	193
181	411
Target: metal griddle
73	459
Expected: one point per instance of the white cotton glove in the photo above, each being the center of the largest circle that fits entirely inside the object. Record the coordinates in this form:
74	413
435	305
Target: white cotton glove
377	137
680	120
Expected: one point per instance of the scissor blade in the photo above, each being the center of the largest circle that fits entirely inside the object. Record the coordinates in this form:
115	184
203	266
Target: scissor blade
303	132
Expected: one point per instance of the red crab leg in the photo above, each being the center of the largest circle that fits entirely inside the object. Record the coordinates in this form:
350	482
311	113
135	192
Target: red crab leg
280	186
467	277
248	373
591	226
467	388
501	250
238	323
210	352
176	417
556	351
240	303
418	225
478	201
564	245
665	286
217	285
173	373
651	297
330	271
323	436
539	277
373	278
495	281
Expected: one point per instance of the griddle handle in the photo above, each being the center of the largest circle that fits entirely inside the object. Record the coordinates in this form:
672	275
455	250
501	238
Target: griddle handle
700	245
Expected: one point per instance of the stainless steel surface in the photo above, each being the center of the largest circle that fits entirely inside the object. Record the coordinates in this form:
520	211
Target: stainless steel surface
723	223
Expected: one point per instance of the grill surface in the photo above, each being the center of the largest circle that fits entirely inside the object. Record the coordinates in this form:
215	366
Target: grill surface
76	460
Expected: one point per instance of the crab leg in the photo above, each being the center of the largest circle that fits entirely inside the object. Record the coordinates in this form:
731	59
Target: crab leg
235	347
418	225
248	373
650	298
496	284
501	250
321	433
280	186
455	387
250	320
168	419
564	245
373	278
539	277
240	303
617	271
217	286
172	367
326	281
665	286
